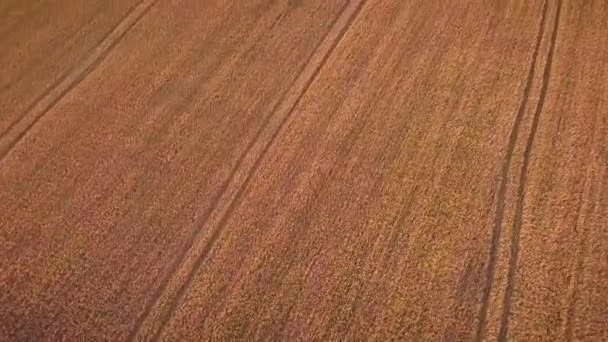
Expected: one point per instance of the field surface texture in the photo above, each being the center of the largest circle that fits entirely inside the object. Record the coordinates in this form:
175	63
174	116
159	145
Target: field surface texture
303	170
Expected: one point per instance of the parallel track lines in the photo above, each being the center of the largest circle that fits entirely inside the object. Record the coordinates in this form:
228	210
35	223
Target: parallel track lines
516	232
71	79
233	189
502	189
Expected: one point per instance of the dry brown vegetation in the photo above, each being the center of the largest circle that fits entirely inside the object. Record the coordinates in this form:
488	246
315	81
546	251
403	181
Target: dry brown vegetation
303	170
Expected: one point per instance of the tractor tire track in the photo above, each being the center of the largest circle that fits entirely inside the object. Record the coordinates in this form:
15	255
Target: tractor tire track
232	190
339	29
502	188
516	232
45	102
